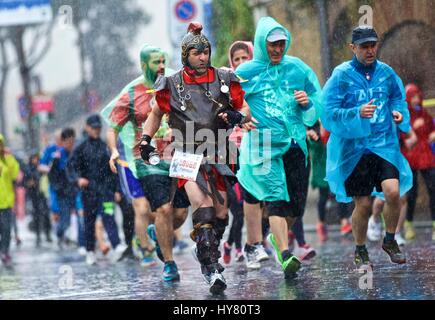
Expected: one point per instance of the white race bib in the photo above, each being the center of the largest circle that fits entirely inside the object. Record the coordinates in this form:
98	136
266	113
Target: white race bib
185	165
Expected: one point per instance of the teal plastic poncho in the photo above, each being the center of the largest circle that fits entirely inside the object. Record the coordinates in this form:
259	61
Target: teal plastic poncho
270	94
352	136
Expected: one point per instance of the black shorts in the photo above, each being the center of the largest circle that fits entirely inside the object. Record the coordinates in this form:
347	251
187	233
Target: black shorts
157	190
297	177
369	173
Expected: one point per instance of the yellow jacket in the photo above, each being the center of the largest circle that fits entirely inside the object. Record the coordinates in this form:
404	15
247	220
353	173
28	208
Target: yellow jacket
9	169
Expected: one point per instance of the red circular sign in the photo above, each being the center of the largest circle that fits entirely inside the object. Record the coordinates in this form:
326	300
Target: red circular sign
185	10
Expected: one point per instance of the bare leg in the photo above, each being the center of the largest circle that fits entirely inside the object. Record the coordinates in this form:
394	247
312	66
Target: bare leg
279	228
253	214
360	219
378	206
99	236
165	230
402	217
142	212
180	215
390	188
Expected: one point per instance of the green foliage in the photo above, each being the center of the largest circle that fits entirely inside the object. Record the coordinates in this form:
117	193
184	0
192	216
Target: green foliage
232	21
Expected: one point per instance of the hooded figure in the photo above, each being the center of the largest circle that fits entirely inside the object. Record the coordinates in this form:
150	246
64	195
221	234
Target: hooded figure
269	91
9	170
420	157
237	134
353	136
240	45
130	109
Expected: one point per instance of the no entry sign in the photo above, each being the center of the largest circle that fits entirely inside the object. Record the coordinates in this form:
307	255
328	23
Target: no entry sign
185	10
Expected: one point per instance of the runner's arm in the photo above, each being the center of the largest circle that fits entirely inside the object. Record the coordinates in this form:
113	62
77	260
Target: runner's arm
112	138
152	124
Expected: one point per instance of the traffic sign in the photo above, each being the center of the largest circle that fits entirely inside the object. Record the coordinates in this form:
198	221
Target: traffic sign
181	13
185	10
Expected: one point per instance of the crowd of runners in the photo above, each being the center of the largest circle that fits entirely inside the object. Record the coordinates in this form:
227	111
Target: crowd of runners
249	139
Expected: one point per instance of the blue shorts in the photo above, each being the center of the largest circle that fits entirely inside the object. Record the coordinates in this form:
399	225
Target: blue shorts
79	202
54	205
131	187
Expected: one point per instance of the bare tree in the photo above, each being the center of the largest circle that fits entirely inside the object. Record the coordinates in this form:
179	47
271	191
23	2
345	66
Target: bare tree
26	60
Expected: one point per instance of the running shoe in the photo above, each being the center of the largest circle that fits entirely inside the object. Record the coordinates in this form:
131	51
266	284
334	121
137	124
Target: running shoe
346	229
82	251
152	234
227	253
239	255
393	251
374	230
362	258
128	253
91	259
170	272
118	252
304	252
137	250
148	259
261	253
252	262
6	260
290	266
272	241
400	240
217	283
322	233
409	230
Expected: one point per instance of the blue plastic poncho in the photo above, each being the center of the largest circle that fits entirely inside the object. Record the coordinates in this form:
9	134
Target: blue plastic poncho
270	94
352	136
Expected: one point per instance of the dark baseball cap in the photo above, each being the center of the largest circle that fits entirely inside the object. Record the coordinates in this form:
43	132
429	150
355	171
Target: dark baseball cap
363	34
94	121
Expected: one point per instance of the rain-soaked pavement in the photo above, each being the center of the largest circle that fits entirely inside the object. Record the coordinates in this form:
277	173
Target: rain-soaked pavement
45	273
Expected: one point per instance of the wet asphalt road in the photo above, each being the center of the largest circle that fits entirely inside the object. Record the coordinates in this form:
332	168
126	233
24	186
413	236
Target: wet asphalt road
46	273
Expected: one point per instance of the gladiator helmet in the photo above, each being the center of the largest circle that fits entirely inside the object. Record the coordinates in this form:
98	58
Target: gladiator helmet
194	39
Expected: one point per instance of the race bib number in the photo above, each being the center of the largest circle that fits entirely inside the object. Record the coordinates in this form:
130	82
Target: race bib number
185	165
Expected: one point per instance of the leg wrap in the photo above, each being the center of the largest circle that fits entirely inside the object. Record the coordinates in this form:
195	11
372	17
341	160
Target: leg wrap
202	217
207	243
220	226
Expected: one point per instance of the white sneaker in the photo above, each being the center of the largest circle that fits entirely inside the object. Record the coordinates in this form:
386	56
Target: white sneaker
261	253
374	230
91	259
399	239
117	253
252	262
82	251
217	283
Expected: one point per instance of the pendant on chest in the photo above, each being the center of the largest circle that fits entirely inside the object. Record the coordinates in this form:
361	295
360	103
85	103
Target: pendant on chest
224	87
